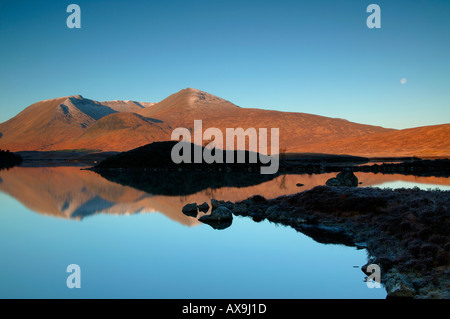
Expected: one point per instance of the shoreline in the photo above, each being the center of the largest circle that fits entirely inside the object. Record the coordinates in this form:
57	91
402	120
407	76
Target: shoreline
405	231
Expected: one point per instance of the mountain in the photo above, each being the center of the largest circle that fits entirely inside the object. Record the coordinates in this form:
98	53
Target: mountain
430	141
60	123
118	131
296	129
74	122
189	102
44	124
126	106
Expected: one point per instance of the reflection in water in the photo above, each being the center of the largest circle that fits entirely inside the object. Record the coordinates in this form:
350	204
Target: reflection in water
183	183
148	249
69	192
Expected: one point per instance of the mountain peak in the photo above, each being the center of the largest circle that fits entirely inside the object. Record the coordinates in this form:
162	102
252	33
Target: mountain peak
192	90
195	95
194	98
189	100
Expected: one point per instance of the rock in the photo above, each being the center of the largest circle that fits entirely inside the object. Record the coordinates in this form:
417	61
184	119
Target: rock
190	210
333	182
218	203
219	218
258	199
344	178
257	216
203	207
222	224
228	205
372	260
220	213
239	209
273	212
397	286
215	203
299	220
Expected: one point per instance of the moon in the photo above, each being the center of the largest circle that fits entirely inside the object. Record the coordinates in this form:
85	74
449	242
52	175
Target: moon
403	81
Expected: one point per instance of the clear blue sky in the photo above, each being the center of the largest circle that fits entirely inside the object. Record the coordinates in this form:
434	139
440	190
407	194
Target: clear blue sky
302	56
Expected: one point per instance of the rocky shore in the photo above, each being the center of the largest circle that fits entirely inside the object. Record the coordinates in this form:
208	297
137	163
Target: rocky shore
9	159
405	231
418	167
415	166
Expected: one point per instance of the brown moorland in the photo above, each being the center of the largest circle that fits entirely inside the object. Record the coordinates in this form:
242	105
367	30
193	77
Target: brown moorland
74	122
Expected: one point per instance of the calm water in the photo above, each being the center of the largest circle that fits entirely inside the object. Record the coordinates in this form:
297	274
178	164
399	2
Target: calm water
132	244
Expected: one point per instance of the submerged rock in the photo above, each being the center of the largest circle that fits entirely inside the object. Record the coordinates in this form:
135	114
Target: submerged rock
344	178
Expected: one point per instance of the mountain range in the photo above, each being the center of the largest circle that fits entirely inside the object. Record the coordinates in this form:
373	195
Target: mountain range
76	123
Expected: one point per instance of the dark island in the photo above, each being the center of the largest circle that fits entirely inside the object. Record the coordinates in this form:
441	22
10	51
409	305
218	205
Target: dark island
150	168
157	156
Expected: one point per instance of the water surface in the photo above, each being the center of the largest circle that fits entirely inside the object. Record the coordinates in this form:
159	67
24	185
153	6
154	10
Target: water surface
133	244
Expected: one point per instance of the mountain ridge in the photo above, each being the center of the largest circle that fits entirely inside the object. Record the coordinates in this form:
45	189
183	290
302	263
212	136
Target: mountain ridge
75	122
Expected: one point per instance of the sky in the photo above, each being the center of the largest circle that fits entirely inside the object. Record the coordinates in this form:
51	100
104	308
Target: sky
314	57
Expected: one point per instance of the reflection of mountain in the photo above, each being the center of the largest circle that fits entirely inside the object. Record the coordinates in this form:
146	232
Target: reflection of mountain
69	192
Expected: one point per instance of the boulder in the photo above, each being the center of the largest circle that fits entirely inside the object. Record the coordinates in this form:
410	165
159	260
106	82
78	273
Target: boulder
240	209
220	213
203	207
190	210
344	178
257	216
398	287
219	218
227	204
215	203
